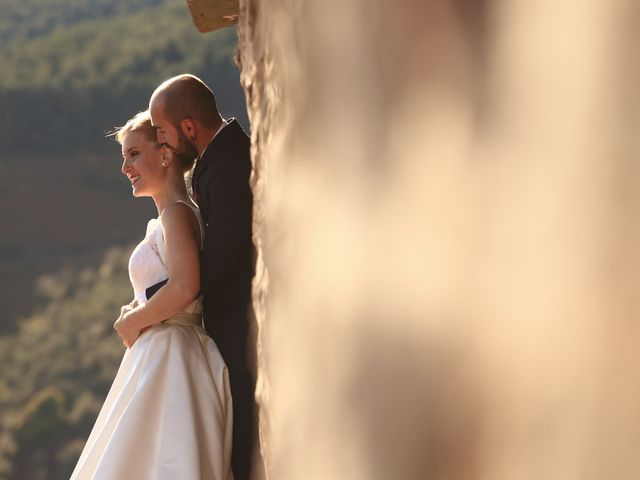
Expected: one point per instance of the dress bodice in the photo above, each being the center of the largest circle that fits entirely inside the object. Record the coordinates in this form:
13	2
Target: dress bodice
147	262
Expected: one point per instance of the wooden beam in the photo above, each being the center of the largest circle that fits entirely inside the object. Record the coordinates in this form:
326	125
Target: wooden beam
209	15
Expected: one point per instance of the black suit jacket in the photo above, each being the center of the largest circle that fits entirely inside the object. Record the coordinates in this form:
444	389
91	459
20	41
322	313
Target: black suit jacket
221	188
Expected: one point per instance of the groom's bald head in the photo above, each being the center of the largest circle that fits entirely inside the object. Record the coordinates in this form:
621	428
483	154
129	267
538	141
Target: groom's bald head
186	96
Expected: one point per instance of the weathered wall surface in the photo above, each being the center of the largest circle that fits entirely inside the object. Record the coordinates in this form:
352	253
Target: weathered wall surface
447	205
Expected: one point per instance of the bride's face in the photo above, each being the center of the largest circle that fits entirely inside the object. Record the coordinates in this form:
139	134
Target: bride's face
142	164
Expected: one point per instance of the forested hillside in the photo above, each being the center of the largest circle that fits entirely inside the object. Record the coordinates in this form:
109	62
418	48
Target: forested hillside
71	70
24	19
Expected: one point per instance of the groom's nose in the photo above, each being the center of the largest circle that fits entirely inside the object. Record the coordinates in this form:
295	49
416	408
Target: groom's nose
161	137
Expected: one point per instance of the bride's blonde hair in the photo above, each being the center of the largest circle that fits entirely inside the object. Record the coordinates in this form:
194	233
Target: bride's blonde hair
141	122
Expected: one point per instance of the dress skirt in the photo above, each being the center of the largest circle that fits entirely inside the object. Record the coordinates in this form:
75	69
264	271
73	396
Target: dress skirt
168	414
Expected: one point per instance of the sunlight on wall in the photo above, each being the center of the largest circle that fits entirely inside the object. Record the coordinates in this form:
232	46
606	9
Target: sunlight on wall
446	205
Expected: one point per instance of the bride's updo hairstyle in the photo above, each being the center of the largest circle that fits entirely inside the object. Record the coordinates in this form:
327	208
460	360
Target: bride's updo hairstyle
141	123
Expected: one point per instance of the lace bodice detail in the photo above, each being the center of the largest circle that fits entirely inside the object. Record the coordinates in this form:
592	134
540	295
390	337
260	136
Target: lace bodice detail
147	265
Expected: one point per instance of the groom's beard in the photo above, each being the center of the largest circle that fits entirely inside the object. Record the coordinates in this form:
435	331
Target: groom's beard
185	161
184	147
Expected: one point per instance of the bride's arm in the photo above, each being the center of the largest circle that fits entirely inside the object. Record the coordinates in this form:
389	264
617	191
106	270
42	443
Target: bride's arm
182	242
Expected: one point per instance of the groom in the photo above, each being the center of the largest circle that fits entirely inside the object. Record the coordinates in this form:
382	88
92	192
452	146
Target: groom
185	113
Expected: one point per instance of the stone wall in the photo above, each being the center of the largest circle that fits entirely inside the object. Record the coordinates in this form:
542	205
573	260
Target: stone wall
446	213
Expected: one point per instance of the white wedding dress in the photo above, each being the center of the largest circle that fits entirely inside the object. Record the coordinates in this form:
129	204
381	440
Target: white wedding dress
168	414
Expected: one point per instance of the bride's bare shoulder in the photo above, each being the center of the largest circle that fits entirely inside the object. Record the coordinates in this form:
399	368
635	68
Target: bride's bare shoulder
178	219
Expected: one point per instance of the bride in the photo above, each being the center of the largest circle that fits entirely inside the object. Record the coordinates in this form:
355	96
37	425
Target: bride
168	414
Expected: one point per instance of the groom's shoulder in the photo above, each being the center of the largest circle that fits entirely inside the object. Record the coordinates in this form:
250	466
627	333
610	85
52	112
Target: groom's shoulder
230	149
231	141
235	130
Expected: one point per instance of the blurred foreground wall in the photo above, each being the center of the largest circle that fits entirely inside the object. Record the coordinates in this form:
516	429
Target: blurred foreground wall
447	214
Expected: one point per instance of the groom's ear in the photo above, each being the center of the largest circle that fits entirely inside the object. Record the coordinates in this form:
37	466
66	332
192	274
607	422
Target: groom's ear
188	128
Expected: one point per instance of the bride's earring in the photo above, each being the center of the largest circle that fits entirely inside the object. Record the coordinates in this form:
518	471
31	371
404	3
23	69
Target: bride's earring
164	164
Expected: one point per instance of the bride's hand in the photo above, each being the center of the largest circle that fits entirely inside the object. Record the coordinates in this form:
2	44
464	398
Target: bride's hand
124	326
